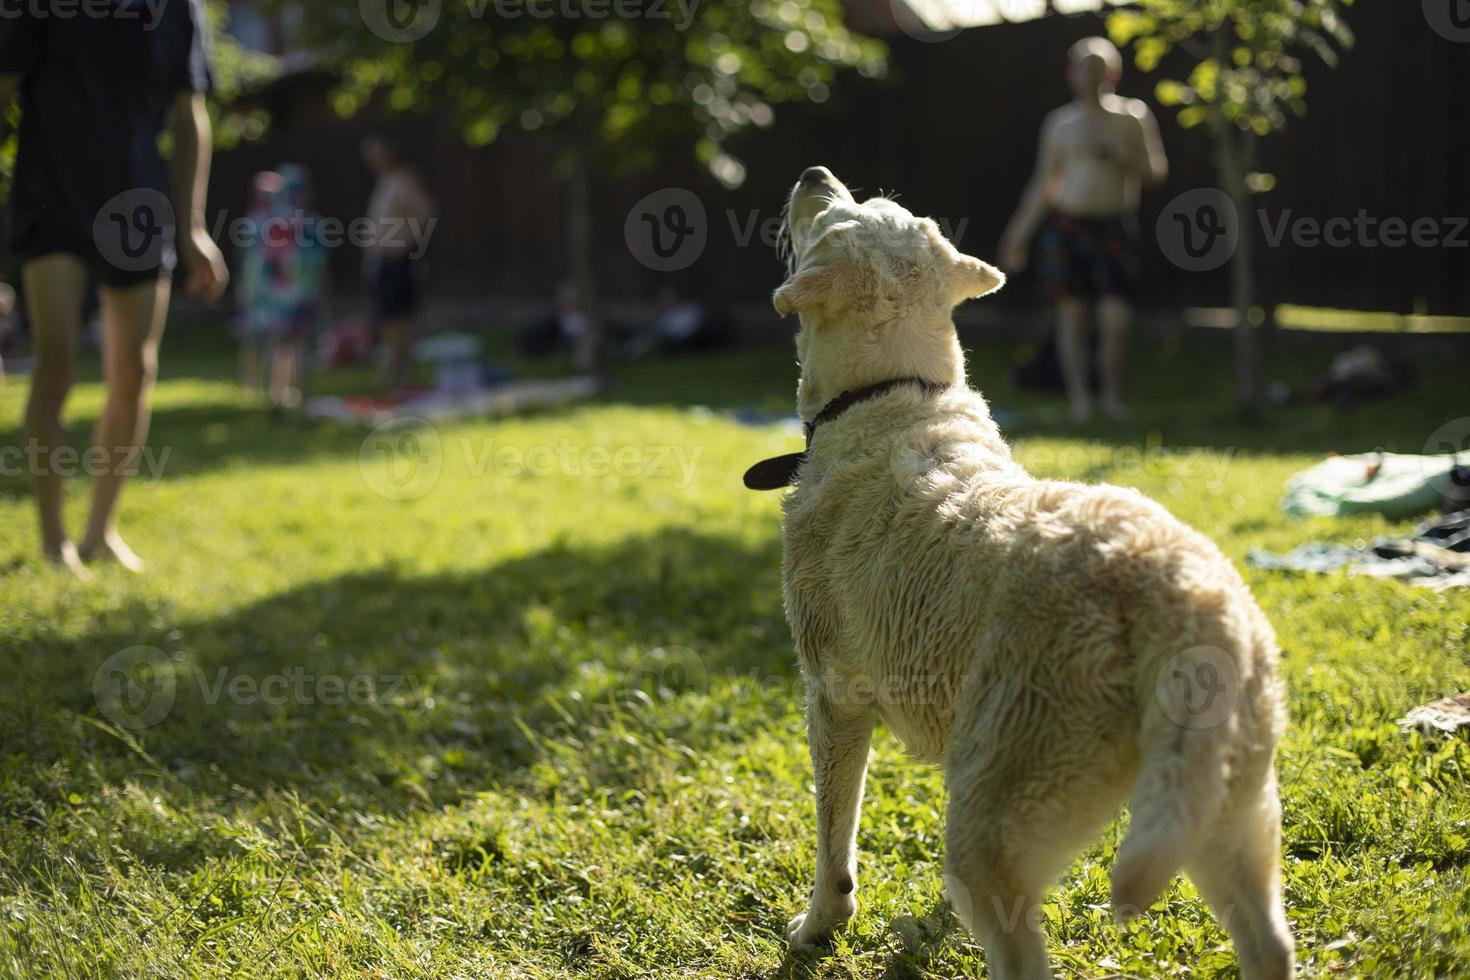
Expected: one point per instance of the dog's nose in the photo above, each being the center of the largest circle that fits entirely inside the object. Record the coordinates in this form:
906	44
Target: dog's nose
816	175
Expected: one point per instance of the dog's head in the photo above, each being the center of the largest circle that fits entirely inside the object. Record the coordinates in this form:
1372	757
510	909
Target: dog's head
859	264
875	287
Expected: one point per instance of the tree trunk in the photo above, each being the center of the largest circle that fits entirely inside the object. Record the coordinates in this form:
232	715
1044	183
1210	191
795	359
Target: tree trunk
1232	157
1234	153
589	353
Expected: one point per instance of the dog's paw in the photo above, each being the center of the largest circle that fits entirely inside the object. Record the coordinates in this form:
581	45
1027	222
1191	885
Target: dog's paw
812	928
804	932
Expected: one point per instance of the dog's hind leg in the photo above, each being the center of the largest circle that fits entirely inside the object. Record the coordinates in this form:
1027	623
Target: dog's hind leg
1000	902
1012	829
1031	780
1009	836
1237	869
838	736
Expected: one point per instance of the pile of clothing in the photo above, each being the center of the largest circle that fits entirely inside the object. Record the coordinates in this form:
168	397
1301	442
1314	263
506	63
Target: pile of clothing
1436	556
1362	374
1447	715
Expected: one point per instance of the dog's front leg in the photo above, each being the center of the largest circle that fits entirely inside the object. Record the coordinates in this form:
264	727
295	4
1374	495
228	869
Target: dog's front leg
838	736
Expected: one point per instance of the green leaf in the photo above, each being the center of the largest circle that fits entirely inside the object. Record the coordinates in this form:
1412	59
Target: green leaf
1192	116
1171	93
1149	51
1205	78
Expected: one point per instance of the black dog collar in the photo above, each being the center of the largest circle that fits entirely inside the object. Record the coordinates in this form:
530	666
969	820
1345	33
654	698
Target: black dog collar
780	471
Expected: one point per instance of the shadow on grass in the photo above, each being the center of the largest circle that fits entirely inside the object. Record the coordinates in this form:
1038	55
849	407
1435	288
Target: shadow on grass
1180	390
444	684
194	441
191	441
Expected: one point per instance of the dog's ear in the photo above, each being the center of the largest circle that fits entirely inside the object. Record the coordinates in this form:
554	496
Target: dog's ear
806	288
970	278
828	270
967	276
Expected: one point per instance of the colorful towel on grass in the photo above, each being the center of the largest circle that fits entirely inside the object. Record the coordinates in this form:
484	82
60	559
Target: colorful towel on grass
447	406
1436	557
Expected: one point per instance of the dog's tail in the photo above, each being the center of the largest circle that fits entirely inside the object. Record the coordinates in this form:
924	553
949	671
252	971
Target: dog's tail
1190	698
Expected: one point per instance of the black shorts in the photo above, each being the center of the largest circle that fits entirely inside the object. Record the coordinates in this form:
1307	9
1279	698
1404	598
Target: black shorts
396	281
155	262
1089	257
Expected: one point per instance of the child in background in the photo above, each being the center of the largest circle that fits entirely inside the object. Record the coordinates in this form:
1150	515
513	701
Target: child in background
250	322
282	275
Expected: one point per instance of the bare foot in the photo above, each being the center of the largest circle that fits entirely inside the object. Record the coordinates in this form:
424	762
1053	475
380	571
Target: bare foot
1081	412
66	559
112	548
1115	409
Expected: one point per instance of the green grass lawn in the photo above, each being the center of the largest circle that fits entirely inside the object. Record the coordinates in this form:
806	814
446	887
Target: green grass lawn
509	717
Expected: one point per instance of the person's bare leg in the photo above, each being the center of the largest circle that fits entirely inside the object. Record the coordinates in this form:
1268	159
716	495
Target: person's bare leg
54	285
250	369
276	381
285	392
1113	314
387	354
1072	354
293	390
399	335
132	325
300	369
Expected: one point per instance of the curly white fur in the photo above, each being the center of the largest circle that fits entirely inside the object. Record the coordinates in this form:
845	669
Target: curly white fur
1024	633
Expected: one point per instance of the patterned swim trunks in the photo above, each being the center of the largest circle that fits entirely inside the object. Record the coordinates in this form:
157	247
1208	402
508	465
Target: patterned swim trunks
1089	257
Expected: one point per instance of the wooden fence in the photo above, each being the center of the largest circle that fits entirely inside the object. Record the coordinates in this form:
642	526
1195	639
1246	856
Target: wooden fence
953	131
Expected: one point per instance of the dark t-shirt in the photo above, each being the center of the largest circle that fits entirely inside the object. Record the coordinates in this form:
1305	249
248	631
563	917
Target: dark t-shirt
98	80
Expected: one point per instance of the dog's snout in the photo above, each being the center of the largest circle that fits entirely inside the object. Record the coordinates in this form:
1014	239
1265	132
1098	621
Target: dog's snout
816	175
816	191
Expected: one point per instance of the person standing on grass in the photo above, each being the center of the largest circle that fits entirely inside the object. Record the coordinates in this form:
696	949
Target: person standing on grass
279	288
400	213
1096	153
95	94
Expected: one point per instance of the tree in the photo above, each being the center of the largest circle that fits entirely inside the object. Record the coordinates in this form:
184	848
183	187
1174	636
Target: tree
1245	83
237	69
613	80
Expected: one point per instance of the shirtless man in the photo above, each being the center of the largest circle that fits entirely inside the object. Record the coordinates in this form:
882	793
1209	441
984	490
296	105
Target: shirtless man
1096	153
95	93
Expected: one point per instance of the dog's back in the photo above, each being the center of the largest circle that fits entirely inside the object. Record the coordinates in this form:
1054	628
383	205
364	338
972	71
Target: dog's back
1054	644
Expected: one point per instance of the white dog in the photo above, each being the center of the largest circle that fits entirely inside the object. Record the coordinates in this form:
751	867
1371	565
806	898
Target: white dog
1059	648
